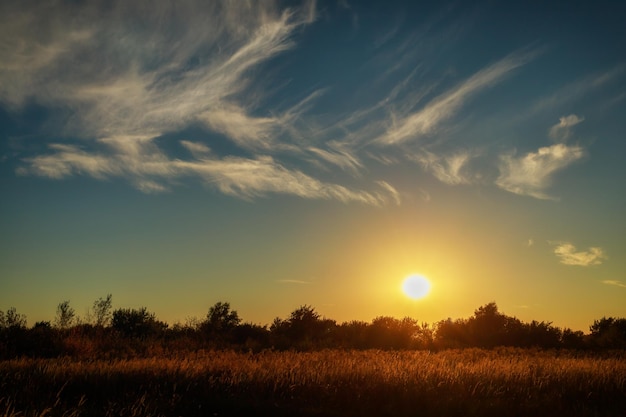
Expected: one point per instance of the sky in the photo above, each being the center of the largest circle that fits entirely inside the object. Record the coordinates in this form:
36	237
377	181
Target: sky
273	155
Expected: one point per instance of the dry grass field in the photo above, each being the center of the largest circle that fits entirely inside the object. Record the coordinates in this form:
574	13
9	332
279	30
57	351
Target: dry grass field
470	382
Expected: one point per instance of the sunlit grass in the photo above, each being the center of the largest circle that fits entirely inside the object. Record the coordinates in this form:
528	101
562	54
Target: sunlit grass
332	382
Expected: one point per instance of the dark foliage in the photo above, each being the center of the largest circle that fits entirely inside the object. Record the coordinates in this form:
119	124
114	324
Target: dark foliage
303	330
220	324
101	312
609	333
488	328
137	332
137	323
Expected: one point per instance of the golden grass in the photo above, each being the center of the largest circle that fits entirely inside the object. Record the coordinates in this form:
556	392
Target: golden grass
333	382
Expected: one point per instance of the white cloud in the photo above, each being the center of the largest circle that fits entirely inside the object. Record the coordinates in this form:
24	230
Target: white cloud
197	149
451	169
150	102
248	178
532	173
149	187
405	127
125	87
149	170
424	195
393	193
246	131
134	157
119	79
294	281
341	158
257	132
569	256
574	91
562	130
70	160
614	283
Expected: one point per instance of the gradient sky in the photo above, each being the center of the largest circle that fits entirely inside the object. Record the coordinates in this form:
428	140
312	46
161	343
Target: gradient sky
279	154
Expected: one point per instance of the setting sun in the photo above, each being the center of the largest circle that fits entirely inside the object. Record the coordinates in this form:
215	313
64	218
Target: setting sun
416	287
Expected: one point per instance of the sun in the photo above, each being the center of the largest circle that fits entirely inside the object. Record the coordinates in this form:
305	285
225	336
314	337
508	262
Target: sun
416	286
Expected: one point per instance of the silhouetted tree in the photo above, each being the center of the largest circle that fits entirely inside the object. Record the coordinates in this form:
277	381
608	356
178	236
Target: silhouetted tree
65	315
451	334
12	319
542	334
572	339
302	324
43	341
391	333
353	334
251	336
136	322
221	318
278	334
304	330
101	311
609	332
307	329
488	327
13	337
425	337
220	323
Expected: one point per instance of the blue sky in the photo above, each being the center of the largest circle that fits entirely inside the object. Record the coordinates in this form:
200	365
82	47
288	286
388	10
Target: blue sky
280	154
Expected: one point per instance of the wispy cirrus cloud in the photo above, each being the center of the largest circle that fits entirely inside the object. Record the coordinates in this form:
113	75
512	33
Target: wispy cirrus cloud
338	157
294	281
574	91
235	123
136	158
615	283
249	178
562	130
449	169
154	101
150	170
190	68
389	192
197	149
412	125
123	90
193	67
532	173
569	255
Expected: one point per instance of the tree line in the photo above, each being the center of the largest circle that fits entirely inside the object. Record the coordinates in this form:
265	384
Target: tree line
127	332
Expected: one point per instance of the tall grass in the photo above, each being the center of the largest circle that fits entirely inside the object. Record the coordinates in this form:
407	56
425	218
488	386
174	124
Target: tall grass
468	382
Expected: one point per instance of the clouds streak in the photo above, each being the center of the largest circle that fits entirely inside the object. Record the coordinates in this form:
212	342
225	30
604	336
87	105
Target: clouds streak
412	126
118	88
568	255
532	173
451	169
615	283
562	130
148	83
149	170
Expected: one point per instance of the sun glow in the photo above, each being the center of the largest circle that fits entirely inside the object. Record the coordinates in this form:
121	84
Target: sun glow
416	286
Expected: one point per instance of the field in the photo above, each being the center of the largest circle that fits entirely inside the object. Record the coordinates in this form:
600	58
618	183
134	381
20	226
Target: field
470	382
